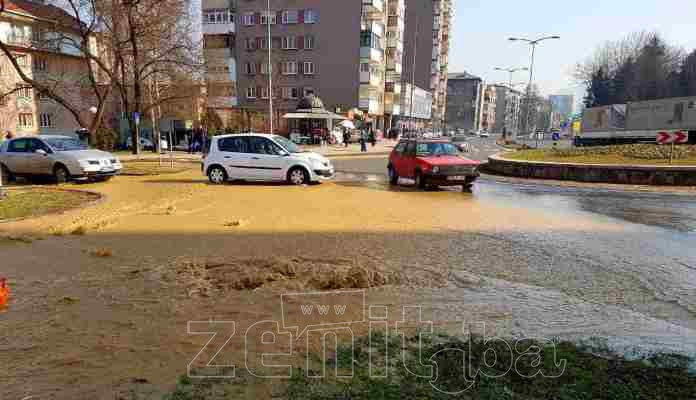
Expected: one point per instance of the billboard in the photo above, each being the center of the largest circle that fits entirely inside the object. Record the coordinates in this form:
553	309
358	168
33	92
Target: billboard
605	118
674	113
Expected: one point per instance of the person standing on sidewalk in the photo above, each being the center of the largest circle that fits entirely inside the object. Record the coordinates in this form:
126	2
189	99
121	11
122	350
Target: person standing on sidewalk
346	137
363	141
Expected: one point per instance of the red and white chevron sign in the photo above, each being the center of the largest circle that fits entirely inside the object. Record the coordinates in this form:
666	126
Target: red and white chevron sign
677	137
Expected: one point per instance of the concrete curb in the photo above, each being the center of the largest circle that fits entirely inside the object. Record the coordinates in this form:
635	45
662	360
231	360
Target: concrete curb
660	175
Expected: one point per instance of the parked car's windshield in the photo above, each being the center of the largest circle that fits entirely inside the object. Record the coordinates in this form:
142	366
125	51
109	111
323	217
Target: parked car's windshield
287	144
436	149
65	144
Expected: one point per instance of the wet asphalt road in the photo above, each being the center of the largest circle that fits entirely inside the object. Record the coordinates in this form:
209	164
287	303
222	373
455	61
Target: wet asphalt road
671	212
650	251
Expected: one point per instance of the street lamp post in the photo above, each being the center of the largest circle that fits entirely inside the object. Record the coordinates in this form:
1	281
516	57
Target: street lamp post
511	71
270	67
533	44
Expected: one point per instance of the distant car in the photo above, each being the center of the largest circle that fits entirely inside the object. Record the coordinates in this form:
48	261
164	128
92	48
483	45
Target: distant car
62	157
461	142
484	134
431	162
145	143
262	157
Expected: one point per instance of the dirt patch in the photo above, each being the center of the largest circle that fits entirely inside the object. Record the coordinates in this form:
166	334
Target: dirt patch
206	277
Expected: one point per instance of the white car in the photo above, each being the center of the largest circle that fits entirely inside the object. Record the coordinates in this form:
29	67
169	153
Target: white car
484	134
261	157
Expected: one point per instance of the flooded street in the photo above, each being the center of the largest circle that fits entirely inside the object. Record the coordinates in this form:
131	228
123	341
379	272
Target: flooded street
526	259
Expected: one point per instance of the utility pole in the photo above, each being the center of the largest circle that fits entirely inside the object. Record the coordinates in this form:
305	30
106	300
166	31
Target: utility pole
270	68
533	44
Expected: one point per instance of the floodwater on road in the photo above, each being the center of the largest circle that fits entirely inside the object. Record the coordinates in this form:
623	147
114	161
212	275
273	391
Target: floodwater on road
527	260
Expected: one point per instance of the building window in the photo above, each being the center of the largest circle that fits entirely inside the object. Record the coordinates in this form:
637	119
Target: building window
251	92
265	67
307	91
310	17
25	120
43	96
290	17
289	43
45	121
21	60
250	43
290	68
218	16
264	43
24	92
364	67
250	68
40	64
291	92
268	18
309	42
309	68
264	92
248	19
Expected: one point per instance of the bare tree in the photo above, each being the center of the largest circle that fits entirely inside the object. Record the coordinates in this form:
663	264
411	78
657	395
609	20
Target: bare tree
71	31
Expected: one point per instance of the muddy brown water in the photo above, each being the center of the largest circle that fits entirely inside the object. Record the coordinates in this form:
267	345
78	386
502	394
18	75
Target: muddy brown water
82	326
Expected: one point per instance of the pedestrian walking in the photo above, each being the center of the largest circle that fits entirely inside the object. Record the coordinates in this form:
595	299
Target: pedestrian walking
346	137
373	137
363	141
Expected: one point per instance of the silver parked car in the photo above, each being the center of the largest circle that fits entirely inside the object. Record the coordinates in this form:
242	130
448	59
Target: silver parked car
62	157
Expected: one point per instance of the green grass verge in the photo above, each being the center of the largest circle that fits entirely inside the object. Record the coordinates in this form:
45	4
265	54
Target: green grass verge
517	374
20	203
636	154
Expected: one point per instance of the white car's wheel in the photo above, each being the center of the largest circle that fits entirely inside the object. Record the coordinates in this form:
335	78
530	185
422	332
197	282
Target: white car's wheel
298	176
217	175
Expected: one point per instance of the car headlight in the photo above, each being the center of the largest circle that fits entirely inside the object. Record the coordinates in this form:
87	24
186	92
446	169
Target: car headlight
87	163
436	170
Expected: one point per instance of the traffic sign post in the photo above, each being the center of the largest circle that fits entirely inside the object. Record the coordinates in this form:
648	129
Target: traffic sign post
673	138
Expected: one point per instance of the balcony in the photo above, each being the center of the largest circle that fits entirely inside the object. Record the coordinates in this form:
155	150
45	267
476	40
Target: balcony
370	105
393	109
372	78
396	43
373	6
218	29
375	27
371	54
222	101
394	66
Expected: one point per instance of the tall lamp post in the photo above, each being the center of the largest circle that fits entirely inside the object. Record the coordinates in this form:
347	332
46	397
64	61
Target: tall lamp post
511	71
270	67
533	44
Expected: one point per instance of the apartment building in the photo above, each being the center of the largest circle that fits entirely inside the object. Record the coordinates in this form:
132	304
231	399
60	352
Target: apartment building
32	30
488	108
507	110
351	54
426	52
464	93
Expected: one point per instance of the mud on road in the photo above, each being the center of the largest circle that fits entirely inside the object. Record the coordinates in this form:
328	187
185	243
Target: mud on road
102	296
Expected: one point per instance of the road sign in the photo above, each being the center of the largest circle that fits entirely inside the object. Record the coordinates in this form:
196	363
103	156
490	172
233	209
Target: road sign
136	117
556	136
677	137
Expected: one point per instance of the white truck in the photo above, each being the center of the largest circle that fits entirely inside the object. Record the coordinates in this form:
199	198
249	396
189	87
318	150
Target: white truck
637	122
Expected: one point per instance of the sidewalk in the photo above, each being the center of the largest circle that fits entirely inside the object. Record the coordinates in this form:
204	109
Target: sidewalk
353	150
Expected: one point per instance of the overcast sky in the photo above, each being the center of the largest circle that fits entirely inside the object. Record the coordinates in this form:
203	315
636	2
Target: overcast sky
481	29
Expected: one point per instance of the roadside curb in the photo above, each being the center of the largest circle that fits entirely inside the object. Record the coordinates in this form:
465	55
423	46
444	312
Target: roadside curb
655	175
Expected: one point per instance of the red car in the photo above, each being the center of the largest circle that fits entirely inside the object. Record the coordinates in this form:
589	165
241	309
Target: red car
431	162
